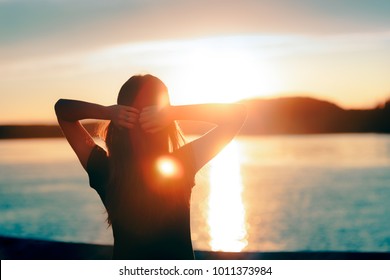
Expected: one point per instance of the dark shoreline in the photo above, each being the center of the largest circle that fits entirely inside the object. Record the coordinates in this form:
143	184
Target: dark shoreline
12	248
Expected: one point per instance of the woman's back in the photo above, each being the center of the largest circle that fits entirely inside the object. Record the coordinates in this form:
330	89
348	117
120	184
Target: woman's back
153	221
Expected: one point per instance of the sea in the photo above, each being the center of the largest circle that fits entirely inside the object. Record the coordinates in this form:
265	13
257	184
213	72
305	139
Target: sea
328	192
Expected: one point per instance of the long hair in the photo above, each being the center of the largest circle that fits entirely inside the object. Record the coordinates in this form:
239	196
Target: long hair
132	152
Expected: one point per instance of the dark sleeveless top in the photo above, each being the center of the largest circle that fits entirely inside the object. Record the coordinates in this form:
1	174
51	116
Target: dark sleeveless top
168	235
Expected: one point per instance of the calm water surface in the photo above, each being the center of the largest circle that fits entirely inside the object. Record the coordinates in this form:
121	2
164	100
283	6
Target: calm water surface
271	193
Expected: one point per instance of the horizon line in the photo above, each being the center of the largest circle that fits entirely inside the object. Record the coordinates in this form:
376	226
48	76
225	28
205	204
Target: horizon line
51	122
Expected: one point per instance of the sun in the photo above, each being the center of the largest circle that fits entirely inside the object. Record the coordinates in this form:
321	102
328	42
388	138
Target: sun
211	72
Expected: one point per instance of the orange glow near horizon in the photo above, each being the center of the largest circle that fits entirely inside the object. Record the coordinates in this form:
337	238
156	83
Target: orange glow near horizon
226	212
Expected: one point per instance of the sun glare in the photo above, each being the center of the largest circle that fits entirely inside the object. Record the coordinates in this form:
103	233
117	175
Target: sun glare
226	212
214	72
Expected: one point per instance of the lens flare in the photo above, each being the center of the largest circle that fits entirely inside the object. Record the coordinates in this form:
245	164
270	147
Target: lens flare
168	167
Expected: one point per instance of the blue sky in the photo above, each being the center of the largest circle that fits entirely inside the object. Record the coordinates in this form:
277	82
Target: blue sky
336	50
108	22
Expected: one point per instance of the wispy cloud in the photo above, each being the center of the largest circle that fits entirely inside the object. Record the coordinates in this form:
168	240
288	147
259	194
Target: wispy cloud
30	27
165	52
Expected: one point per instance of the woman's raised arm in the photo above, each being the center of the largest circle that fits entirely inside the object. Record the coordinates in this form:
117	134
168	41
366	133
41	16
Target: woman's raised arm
70	112
228	119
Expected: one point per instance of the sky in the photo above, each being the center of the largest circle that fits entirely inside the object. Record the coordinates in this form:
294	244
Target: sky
205	51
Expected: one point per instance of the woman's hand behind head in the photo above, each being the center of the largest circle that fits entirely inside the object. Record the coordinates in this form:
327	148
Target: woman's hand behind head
124	116
154	118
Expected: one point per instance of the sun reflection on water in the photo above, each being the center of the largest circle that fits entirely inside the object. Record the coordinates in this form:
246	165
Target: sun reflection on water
226	212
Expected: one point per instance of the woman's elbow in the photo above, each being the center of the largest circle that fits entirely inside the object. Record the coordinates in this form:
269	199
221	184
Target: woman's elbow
59	107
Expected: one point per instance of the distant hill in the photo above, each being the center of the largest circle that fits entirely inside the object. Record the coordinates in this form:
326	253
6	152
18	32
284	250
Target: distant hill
289	115
303	115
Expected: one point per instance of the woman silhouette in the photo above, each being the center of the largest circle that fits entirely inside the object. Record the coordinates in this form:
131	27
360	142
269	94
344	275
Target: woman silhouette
145	177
